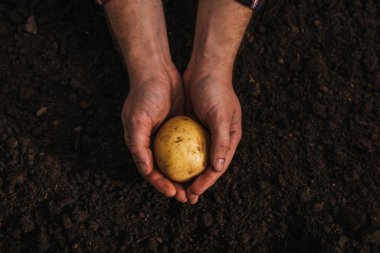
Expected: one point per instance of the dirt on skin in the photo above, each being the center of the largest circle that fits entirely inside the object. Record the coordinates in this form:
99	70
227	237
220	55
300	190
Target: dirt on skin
306	177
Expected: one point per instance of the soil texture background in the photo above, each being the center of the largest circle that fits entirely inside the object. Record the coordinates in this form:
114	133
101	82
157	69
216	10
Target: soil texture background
305	178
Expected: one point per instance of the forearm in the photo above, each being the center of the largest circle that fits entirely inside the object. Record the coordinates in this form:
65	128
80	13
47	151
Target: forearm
220	28
140	31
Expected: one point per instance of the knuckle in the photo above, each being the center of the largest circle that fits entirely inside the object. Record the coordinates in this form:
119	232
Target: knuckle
134	149
224	146
136	120
196	191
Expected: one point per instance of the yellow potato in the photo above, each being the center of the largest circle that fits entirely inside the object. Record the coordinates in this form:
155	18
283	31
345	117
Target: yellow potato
181	149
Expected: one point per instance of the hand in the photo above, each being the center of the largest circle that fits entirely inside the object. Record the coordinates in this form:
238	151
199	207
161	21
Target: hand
151	99
211	98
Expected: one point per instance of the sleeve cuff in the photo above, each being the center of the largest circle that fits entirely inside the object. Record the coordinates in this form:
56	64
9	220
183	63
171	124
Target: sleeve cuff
253	4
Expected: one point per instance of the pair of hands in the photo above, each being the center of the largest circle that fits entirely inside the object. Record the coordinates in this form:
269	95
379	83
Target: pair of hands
204	93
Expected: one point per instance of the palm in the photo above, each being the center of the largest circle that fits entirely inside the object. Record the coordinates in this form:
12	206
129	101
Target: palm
148	104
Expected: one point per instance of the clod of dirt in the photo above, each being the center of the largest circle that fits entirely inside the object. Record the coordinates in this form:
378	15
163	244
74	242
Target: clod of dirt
27	224
67	224
244	237
43	241
207	220
373	237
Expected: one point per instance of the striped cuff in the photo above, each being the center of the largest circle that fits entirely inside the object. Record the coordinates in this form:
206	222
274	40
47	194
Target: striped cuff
253	4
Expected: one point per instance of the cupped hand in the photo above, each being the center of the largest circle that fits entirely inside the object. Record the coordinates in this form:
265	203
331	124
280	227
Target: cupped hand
154	95
211	98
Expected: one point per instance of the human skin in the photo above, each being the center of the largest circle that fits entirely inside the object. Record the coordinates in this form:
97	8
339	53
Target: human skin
157	90
208	85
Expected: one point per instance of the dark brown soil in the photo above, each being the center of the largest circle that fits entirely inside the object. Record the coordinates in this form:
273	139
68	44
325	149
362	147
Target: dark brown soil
306	177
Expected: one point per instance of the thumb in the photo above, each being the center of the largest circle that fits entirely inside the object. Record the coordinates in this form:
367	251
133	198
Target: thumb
220	143
137	136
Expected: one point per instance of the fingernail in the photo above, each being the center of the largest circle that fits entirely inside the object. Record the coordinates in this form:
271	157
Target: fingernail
193	199
142	168
219	165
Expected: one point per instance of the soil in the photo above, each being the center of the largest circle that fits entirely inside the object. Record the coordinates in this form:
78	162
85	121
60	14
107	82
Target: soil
305	178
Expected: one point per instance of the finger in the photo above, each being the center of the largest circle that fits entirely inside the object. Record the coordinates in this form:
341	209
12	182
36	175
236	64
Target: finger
192	198
180	193
137	138
220	142
210	176
161	183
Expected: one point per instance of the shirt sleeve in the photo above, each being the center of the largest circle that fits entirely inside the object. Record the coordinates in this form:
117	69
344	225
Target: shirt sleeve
253	4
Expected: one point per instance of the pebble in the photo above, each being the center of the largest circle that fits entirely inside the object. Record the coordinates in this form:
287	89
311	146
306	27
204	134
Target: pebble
31	25
12	143
41	111
317	23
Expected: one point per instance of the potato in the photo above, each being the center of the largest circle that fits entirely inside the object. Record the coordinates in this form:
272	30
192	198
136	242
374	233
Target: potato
181	149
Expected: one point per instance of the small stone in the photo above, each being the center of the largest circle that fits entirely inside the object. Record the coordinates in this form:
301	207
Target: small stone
294	29
31	25
317	23
281	61
41	111
12	143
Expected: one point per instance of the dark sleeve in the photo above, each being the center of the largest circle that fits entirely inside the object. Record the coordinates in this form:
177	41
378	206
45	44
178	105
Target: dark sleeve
253	4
